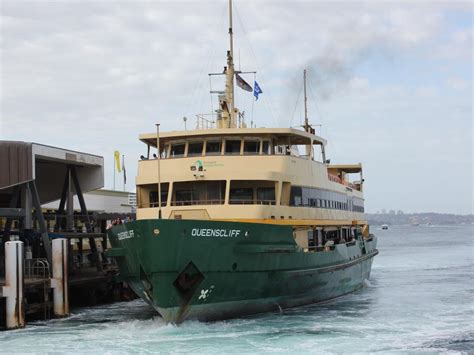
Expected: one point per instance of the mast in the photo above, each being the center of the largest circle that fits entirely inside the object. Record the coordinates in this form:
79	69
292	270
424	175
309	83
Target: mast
230	73
306	122
307	126
226	113
231	35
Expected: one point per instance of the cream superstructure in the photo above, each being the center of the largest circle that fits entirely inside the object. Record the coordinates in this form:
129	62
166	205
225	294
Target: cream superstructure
246	173
231	172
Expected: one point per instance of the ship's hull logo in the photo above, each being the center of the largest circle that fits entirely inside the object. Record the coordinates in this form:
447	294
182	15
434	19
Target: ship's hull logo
205	293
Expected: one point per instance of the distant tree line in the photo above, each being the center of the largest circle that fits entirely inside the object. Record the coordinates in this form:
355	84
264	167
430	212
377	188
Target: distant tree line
398	217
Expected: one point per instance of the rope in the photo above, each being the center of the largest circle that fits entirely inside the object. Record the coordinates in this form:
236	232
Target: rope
256	61
210	89
253	100
296	105
212	48
321	117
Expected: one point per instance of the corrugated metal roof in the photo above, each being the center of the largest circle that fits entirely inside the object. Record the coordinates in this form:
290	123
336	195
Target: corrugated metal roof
15	163
25	161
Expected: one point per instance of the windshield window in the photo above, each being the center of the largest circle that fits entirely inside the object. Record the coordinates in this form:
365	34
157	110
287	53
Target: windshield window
213	148
177	150
232	146
195	149
251	147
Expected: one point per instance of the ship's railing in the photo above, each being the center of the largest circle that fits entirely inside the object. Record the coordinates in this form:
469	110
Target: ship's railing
153	204
211	202
322	248
335	178
197	202
202	122
331	247
251	202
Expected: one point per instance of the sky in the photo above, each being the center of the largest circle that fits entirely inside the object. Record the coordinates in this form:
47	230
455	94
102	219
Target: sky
390	82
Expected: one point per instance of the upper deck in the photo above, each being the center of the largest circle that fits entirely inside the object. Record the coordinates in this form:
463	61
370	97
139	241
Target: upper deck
289	136
271	171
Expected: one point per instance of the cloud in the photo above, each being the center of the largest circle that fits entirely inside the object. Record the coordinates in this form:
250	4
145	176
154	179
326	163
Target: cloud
459	84
93	75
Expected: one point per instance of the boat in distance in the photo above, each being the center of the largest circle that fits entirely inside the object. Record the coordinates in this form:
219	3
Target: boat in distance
235	220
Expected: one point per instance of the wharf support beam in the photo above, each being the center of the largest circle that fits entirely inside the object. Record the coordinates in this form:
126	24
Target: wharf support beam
13	290
39	215
59	282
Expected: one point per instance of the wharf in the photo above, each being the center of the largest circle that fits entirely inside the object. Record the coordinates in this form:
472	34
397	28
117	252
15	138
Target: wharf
54	215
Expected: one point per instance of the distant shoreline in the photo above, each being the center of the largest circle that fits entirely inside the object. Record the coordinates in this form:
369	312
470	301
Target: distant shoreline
425	218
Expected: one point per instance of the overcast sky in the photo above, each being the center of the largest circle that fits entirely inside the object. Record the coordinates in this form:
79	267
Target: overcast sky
390	82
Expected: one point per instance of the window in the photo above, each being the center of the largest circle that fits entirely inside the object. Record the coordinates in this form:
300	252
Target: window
241	196
153	195
232	147
296	196
251	147
215	192
266	148
198	193
195	149
311	239
164	151
266	195
186	197
282	150
177	150
313	197
213	148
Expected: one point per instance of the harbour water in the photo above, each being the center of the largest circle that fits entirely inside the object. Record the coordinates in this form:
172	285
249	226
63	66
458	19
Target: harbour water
420	298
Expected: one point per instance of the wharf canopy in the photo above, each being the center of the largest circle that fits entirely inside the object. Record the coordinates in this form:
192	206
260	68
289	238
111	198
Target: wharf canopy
35	174
47	167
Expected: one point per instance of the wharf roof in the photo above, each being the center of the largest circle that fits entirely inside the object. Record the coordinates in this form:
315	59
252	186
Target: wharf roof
284	135
22	162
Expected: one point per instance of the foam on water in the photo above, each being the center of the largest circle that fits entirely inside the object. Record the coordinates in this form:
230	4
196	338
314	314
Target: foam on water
419	299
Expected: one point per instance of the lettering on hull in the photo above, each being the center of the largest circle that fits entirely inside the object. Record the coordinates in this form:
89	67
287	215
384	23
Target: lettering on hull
125	235
208	232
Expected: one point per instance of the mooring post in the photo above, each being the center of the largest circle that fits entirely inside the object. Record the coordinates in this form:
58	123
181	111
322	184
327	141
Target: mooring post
13	290
59	282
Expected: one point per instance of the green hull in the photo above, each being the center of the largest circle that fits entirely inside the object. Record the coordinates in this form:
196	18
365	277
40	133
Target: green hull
208	270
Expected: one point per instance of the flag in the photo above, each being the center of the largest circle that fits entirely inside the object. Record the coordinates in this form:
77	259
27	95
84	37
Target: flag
256	91
117	160
241	83
124	171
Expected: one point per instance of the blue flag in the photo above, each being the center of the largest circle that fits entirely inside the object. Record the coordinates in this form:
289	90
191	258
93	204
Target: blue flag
256	90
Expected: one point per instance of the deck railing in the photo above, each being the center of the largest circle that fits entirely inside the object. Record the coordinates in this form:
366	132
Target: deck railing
335	178
210	202
251	202
197	202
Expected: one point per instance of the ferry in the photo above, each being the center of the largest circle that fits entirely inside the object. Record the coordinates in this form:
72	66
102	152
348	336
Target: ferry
235	220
